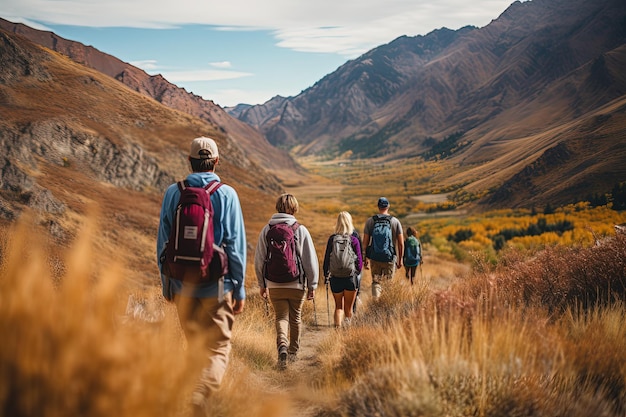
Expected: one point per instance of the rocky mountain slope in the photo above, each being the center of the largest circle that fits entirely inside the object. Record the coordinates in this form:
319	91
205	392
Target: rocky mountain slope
488	100
253	144
504	108
77	142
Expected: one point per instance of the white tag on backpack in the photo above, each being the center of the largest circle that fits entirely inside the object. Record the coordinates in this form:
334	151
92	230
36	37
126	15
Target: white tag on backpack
190	232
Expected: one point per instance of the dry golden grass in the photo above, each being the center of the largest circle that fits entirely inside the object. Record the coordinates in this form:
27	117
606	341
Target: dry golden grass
68	349
535	332
466	349
529	336
439	363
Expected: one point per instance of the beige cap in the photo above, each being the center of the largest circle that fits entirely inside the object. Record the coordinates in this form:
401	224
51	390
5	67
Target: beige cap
203	148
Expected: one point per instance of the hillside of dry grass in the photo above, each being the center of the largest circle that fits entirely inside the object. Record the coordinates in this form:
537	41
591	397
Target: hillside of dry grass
540	120
253	145
493	104
558	166
77	143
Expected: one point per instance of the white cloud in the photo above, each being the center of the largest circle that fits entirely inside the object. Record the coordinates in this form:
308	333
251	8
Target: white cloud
223	64
148	65
27	22
346	27
202	75
152	67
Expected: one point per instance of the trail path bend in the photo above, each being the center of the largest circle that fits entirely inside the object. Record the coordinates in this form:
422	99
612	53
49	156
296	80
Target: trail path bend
296	381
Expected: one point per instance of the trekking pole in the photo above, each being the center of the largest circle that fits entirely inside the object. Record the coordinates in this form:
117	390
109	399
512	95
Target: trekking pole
327	304
421	273
267	306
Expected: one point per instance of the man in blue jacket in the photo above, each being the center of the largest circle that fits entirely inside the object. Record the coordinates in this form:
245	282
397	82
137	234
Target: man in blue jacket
207	309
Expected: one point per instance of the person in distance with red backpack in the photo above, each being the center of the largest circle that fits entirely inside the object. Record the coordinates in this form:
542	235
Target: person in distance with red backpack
383	242
342	265
287	270
207	297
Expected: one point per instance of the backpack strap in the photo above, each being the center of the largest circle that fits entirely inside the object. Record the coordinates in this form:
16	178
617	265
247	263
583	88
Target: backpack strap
213	186
301	278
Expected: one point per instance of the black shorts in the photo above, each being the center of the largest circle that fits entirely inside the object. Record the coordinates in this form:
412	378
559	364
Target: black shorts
338	285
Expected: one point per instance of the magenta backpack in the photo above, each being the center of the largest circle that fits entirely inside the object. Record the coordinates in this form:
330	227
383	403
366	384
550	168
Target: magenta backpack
191	253
282	262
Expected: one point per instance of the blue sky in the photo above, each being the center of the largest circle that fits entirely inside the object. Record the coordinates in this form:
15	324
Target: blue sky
244	51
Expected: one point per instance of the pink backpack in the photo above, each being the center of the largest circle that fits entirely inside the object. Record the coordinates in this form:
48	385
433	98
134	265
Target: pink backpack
282	262
191	253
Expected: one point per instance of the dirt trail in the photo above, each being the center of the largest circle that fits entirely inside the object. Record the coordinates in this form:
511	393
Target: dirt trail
295	382
297	379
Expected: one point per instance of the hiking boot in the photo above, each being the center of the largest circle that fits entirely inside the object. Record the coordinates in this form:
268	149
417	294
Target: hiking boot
292	357
282	358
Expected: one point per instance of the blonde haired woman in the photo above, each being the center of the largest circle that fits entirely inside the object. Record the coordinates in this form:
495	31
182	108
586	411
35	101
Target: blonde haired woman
343	279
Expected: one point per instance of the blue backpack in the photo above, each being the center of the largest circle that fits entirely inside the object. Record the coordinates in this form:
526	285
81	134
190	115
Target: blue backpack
381	248
412	251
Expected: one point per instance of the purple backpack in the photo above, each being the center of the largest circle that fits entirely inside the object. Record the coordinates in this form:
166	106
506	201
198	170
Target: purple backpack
191	253
282	262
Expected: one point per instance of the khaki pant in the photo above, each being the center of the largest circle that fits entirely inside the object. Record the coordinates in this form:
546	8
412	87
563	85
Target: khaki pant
287	304
381	271
211	320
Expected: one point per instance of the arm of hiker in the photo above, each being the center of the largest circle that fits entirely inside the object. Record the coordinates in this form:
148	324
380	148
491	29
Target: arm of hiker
259	257
400	240
310	263
238	306
420	252
234	239
168	207
366	242
356	245
326	264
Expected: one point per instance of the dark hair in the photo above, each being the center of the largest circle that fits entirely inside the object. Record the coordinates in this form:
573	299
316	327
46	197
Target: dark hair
202	165
410	231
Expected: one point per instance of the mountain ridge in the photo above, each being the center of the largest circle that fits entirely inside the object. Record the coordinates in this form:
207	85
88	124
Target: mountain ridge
157	87
539	65
488	102
79	144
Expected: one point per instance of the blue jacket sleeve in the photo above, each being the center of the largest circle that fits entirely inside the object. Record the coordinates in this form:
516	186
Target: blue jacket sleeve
168	207
233	239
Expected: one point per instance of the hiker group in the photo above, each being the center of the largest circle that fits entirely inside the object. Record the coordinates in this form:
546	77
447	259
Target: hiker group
201	254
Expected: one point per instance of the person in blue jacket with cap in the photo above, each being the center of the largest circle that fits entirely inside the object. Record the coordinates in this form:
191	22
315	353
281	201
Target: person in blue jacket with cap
207	309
